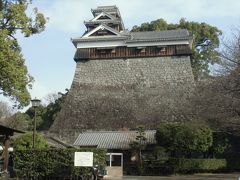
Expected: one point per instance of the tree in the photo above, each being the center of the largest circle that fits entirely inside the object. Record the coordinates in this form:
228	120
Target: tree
20	121
45	115
52	109
40	111
24	142
14	77
138	145
217	100
205	41
165	137
217	103
220	144
193	138
230	54
51	98
184	138
5	111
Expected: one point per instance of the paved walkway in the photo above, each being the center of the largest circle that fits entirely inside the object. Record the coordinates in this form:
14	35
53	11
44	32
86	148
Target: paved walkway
235	176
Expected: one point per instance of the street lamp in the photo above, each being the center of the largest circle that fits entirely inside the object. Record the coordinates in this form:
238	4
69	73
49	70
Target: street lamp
35	104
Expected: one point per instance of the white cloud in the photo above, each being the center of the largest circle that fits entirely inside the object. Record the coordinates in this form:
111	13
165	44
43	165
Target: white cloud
68	15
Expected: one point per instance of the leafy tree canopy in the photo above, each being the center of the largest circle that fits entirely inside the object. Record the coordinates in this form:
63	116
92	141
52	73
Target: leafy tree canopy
220	143
138	144
19	121
24	142
40	110
45	115
217	101
205	41
184	138
14	77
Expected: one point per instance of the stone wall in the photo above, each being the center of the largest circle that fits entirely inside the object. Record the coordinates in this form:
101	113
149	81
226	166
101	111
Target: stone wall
125	93
149	71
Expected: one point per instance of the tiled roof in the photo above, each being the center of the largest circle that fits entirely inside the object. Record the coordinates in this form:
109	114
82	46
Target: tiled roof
180	34
146	36
105	21
105	8
112	139
96	39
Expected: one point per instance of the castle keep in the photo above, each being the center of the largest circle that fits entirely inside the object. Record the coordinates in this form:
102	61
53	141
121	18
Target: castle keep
124	79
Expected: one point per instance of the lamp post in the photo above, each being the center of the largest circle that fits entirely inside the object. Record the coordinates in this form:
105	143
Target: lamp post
35	104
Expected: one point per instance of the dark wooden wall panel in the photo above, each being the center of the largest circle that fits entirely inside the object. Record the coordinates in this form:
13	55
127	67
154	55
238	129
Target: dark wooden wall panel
131	52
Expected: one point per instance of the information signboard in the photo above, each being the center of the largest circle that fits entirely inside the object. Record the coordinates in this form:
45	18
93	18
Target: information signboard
83	159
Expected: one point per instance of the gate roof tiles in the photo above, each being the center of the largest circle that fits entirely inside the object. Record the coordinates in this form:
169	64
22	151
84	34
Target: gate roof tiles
112	139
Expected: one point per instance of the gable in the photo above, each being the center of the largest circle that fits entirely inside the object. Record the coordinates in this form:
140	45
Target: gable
102	30
103	16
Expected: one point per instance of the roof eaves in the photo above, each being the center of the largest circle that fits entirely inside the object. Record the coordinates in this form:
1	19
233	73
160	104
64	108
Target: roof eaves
96	39
101	8
157	39
102	21
8	130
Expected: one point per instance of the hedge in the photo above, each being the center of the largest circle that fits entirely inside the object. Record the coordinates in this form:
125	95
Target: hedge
183	165
233	164
53	162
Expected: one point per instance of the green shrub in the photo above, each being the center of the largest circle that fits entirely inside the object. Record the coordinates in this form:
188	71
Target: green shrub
25	141
233	164
53	162
220	144
184	138
160	153
182	165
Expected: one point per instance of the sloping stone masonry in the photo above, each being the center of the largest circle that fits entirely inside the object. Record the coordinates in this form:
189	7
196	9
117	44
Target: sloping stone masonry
124	93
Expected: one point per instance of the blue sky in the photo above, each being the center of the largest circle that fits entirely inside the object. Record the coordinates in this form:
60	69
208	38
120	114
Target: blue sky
49	55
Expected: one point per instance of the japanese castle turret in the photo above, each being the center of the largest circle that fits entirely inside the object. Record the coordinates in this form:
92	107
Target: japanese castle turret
125	79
